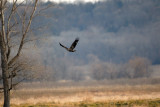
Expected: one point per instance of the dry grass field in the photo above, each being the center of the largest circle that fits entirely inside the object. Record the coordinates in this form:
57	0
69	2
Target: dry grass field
86	94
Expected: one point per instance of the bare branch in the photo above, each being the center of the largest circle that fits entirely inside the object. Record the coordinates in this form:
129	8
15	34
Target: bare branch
9	18
24	34
11	84
9	28
43	9
31	40
39	28
3	34
15	84
5	2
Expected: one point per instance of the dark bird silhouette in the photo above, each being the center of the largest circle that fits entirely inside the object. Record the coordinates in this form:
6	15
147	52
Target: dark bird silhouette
71	49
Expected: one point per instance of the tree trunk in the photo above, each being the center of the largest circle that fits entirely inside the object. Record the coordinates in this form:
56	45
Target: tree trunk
5	84
6	93
4	61
5	73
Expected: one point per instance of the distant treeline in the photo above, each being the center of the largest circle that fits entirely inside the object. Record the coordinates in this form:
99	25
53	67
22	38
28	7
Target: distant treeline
112	15
120	29
136	68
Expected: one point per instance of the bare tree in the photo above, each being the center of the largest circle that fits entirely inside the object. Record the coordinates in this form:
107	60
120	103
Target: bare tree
138	67
15	24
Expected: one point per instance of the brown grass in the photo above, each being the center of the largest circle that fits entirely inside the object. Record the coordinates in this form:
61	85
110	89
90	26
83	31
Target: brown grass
83	93
77	92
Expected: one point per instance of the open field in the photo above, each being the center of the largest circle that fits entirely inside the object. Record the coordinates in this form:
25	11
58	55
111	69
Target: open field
130	103
69	94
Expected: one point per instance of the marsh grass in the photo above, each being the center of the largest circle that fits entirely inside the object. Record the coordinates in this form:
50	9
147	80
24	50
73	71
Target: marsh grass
68	94
130	103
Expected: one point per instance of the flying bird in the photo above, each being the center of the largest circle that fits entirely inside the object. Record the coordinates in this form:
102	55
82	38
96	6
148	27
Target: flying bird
71	49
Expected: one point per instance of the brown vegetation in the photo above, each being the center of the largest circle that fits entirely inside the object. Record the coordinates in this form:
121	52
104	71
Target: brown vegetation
136	67
76	92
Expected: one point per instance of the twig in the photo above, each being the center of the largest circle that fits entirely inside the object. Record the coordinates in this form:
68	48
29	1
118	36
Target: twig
13	85
43	9
24	35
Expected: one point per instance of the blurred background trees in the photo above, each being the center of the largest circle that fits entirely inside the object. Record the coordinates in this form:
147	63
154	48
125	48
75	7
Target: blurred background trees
136	67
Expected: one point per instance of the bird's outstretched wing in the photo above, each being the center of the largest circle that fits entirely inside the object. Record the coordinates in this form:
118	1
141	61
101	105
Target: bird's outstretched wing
74	44
63	46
